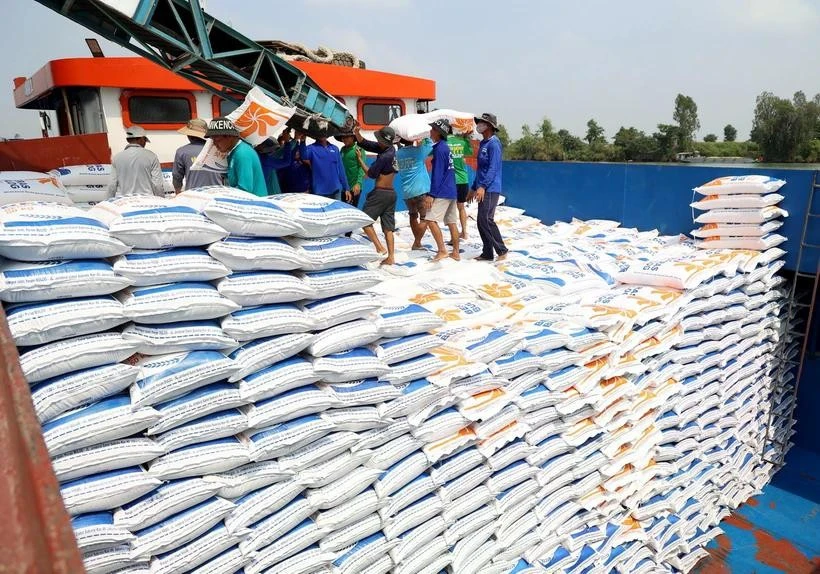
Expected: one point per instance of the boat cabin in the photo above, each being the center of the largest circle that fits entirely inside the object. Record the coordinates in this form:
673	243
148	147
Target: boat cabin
95	100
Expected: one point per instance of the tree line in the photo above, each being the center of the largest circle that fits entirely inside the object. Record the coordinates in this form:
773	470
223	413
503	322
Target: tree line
783	131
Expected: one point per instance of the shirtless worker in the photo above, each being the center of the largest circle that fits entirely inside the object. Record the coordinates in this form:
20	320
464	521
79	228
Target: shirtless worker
381	202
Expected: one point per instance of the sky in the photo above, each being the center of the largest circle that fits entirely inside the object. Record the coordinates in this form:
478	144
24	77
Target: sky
621	63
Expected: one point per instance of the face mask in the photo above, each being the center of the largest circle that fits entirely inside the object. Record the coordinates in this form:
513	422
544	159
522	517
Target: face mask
481	127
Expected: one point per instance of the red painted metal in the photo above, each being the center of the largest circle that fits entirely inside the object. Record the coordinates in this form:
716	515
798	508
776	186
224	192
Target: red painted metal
36	535
43	154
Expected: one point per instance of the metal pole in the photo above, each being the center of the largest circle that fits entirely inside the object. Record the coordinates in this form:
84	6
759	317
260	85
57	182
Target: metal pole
68	113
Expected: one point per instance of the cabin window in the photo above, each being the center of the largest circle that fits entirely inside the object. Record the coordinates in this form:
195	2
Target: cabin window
221	107
159	110
379	112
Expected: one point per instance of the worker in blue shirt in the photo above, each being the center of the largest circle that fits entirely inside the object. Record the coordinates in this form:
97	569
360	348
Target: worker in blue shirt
415	183
328	172
440	204
381	202
486	188
294	178
273	158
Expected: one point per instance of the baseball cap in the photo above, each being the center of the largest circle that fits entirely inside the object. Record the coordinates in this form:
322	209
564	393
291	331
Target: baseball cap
136	132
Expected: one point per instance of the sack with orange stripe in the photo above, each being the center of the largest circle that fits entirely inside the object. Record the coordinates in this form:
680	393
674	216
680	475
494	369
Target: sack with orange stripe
260	117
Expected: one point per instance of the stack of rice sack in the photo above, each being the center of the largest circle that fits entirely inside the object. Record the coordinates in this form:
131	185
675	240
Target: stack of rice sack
238	392
87	185
139	368
630	415
739	213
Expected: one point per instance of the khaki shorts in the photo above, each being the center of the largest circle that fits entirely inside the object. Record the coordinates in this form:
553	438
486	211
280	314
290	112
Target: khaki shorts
443	211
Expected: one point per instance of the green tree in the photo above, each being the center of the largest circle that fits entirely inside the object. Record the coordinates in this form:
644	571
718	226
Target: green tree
668	140
503	136
631	144
778	127
686	116
529	146
595	133
729	133
710	138
571	145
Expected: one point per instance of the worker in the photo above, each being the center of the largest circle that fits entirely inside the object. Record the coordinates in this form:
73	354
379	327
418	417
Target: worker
381	202
461	147
440	204
415	183
136	170
294	178
328	177
244	167
351	159
486	188
273	157
186	155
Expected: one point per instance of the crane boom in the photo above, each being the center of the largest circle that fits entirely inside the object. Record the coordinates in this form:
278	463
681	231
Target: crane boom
180	36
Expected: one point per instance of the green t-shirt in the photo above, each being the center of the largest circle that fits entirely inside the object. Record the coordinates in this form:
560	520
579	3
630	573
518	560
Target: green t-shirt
353	171
460	147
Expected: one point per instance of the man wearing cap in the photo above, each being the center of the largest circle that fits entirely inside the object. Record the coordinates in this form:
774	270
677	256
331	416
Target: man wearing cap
415	183
186	156
487	188
351	156
381	202
440	203
136	170
244	167
328	174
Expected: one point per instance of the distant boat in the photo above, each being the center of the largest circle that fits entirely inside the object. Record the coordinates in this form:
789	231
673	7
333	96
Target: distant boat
694	157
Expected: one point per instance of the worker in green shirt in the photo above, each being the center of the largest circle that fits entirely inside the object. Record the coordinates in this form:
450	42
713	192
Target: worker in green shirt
351	154
461	147
244	167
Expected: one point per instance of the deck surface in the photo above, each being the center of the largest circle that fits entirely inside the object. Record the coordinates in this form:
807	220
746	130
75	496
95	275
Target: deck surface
777	532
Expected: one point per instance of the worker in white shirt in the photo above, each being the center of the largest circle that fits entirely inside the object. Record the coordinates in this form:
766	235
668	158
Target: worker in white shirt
136	170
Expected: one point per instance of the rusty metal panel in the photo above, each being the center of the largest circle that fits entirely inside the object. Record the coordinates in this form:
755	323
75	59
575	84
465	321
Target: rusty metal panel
36	535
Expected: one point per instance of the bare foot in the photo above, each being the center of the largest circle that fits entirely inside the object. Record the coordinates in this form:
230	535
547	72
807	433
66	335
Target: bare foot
418	247
440	255
501	257
464	237
455	256
388	261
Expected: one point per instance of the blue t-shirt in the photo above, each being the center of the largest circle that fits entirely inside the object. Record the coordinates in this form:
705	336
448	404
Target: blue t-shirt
326	165
415	179
488	174
443	176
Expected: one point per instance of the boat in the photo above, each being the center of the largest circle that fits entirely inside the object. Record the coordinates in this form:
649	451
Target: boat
695	157
95	99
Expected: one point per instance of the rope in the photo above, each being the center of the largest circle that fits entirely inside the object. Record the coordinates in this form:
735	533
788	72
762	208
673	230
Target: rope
296	52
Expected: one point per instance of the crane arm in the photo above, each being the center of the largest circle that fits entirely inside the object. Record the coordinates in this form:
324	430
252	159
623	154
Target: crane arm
180	36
